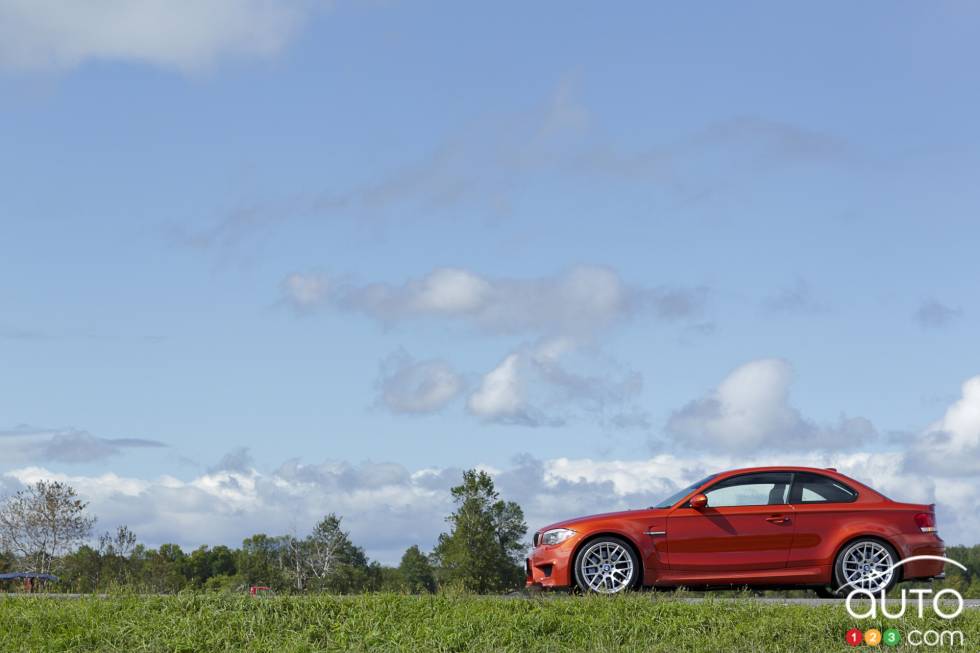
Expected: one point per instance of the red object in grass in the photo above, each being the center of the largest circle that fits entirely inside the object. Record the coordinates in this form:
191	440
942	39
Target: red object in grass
255	589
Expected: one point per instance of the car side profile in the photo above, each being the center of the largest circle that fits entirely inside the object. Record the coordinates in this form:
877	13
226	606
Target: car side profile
761	527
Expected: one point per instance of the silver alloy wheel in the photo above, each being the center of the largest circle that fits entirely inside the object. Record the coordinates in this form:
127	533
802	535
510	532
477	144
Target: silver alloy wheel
867	565
607	567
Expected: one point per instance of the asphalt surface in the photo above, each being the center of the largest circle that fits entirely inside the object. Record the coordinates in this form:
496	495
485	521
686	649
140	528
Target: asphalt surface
971	604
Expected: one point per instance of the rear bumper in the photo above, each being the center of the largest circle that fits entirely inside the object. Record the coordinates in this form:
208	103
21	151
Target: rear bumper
926	544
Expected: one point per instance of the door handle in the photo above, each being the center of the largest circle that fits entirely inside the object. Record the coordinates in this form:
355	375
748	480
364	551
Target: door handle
777	519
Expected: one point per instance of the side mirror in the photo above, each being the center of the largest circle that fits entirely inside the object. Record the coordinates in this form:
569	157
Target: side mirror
699	501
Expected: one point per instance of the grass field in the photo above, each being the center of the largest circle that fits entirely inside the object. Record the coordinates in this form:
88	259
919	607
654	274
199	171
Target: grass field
389	622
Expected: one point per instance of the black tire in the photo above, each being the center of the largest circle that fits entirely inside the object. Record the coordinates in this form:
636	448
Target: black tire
839	577
588	554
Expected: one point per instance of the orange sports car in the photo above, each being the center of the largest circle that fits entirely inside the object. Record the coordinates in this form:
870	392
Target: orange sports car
772	527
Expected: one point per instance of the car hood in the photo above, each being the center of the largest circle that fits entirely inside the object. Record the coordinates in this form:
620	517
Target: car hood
572	523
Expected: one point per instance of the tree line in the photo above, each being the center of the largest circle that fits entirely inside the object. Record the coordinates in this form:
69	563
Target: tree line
46	528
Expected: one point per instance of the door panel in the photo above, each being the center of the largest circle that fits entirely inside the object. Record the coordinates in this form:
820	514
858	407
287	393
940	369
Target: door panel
730	538
823	508
816	534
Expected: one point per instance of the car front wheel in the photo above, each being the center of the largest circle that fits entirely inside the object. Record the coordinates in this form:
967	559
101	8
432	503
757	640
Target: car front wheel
606	565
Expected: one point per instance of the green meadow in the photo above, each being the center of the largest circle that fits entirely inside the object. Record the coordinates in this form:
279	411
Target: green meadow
441	622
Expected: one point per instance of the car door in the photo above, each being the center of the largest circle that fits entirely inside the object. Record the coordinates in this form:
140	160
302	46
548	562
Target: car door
748	524
822	505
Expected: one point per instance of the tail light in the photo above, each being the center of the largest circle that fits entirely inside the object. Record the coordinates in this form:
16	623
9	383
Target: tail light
926	521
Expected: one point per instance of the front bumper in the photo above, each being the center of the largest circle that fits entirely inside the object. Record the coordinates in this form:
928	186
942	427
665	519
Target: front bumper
550	566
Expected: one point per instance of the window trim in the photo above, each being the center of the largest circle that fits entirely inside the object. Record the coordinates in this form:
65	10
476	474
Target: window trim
789	489
798	476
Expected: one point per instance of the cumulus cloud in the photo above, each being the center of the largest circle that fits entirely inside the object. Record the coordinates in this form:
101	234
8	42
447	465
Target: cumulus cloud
184	35
386	506
564	313
27	444
951	445
933	314
389	507
580	301
533	386
500	396
750	409
409	386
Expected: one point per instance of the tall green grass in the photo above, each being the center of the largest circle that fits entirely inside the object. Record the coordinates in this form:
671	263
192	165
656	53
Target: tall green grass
390	622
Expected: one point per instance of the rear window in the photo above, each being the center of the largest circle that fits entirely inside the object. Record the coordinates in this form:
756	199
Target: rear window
816	488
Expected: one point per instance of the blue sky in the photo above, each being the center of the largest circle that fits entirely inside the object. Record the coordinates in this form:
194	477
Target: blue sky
372	243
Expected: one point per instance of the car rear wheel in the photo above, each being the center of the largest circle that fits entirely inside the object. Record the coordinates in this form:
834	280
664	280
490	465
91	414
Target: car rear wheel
606	565
865	564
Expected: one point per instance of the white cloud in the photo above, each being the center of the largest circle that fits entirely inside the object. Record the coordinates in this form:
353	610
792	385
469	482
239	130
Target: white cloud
578	302
533	386
409	386
951	445
449	291
565	312
750	409
185	35
500	396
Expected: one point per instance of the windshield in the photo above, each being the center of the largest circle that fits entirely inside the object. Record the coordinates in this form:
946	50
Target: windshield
680	494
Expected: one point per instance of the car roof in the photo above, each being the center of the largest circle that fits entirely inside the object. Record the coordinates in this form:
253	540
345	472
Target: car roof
782	468
825	471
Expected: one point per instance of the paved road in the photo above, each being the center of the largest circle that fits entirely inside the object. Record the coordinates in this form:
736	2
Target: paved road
911	601
973	604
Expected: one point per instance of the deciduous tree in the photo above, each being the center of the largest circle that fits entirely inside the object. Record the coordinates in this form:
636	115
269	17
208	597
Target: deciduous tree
42	522
416	571
482	551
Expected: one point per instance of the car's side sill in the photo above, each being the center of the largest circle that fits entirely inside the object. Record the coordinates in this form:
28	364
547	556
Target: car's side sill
803	575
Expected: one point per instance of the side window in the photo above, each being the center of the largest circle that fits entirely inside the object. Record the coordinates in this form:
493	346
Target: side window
816	488
763	489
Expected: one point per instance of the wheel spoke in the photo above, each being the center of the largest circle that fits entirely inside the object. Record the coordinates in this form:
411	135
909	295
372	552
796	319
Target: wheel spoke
867	565
606	567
